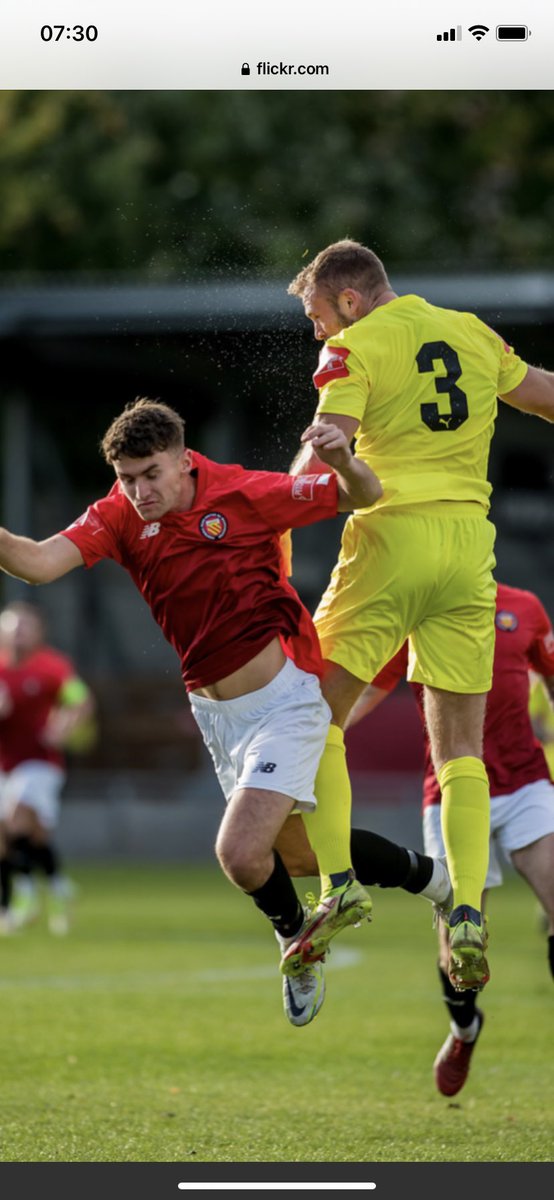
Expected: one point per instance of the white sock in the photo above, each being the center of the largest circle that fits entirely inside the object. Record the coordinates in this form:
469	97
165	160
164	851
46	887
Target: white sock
438	887
467	1034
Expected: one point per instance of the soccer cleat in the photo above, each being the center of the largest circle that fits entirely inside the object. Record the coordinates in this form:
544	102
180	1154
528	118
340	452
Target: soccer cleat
25	907
304	993
468	968
337	910
7	925
58	916
451	1066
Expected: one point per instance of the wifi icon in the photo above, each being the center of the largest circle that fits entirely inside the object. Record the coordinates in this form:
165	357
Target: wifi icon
478	31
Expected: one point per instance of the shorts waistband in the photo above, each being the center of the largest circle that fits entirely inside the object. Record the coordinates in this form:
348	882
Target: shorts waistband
251	701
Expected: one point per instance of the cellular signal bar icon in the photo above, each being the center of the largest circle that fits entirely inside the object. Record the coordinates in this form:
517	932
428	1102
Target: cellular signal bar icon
450	35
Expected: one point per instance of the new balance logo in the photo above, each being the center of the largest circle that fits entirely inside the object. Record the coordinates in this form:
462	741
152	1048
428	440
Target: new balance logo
150	530
265	768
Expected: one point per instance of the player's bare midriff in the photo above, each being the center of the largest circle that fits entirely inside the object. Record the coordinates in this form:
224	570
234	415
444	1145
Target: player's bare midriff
255	674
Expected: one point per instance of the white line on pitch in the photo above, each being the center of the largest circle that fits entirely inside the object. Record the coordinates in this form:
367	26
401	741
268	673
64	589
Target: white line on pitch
343	957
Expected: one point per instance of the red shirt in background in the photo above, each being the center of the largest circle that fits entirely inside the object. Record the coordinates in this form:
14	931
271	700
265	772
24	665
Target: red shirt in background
213	575
524	640
33	686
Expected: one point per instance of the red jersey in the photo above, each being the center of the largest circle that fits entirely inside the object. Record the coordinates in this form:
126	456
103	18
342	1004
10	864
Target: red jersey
213	575
524	639
33	686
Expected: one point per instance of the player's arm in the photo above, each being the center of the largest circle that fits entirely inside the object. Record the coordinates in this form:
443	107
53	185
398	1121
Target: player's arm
38	562
370	698
358	485
535	394
75	706
307	461
380	687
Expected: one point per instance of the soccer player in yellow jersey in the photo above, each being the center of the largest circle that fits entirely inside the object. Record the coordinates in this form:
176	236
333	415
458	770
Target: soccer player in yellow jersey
417	387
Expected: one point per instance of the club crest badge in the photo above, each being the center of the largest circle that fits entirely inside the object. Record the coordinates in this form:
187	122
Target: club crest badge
213	526
507	621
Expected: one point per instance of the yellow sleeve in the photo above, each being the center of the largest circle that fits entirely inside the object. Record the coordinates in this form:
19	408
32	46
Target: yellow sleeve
511	370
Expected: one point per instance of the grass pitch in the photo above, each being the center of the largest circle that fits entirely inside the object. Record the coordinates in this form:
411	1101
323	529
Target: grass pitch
154	1033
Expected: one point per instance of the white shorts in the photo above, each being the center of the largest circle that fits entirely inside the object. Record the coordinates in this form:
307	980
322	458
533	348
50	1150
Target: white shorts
517	820
36	784
271	739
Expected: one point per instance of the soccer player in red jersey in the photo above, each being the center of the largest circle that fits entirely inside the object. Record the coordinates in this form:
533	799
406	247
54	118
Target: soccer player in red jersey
201	542
522	794
42	703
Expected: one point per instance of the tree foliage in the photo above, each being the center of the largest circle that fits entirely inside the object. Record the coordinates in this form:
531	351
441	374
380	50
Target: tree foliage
194	184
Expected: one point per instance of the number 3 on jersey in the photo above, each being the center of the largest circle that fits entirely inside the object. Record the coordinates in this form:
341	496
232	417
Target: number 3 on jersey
430	353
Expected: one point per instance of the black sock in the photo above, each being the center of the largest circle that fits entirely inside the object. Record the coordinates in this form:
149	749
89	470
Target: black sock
378	861
47	859
277	898
461	1005
551	953
20	853
5	883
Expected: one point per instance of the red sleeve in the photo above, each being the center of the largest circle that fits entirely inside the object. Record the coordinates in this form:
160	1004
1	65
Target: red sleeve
289	501
541	652
393	672
96	532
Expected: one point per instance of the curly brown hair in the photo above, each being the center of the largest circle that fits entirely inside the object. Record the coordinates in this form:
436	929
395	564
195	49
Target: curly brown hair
143	428
341	265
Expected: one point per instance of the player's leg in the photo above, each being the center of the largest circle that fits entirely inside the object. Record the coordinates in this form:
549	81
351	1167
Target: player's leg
357	636
525	831
329	824
452	1063
244	848
266	747
536	864
376	860
451	653
5	883
39	788
47	860
22	827
455	725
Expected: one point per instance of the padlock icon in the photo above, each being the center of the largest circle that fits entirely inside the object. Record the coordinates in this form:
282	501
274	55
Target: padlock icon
245	69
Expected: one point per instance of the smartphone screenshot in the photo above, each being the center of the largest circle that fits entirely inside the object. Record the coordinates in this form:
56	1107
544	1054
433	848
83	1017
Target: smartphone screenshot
276	597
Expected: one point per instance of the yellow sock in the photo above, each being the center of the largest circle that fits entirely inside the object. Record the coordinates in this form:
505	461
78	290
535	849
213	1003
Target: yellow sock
328	828
465	820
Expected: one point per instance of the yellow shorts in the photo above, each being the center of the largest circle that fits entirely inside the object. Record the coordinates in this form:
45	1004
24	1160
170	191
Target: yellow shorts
425	573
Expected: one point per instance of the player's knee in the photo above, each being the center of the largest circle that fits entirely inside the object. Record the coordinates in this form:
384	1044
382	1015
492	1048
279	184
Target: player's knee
235	859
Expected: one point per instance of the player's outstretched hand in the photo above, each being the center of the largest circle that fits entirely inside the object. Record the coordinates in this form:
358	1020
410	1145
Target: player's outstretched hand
330	444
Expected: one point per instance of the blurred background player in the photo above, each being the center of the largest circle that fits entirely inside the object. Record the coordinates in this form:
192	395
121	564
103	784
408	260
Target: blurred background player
44	707
417	386
522	794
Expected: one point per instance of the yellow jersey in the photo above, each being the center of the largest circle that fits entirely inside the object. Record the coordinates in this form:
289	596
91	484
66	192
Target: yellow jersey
423	383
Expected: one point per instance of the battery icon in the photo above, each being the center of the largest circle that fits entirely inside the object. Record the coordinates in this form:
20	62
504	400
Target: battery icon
512	33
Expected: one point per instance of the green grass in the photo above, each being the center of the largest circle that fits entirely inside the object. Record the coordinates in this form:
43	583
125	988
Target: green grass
154	1033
